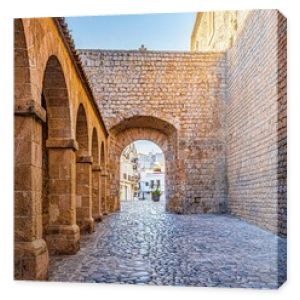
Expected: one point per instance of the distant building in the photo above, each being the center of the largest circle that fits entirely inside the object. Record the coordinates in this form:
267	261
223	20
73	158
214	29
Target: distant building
151	169
129	174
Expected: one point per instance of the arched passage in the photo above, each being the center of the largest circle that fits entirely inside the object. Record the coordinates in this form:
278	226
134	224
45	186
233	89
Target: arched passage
31	255
103	180
142	172
96	171
158	131
58	162
83	174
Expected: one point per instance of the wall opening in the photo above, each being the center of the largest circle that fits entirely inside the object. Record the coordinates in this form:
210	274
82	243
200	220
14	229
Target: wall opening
164	135
142	173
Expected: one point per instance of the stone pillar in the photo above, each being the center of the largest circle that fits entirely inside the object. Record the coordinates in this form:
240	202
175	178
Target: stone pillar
97	207
62	234
84	193
30	250
103	193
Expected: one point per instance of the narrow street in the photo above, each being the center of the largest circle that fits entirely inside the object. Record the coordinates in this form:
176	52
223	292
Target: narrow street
144	245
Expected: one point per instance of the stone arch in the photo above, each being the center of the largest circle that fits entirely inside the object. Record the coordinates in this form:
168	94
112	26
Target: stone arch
164	134
103	180
83	173
58	162
56	131
22	81
96	171
95	147
57	100
82	136
31	253
102	155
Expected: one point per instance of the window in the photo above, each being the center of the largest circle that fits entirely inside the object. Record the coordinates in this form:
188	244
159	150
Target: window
146	183
124	176
152	184
158	182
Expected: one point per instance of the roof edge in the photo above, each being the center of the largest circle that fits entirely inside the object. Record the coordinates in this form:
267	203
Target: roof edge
62	27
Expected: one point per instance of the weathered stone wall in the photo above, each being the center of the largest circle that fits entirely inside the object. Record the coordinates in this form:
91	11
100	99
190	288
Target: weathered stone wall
183	89
48	91
256	121
217	30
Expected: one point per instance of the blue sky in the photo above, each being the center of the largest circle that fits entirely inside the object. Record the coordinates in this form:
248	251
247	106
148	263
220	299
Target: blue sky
144	146
155	31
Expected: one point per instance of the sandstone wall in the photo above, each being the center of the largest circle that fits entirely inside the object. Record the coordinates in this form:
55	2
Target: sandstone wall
183	89
256	121
48	91
217	30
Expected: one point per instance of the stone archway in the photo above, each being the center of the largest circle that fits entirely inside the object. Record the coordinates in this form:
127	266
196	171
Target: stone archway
142	169
96	171
31	254
103	181
83	174
58	153
161	133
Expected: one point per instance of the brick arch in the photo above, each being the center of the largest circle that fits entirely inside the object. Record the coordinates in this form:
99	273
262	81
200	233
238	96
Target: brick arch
161	133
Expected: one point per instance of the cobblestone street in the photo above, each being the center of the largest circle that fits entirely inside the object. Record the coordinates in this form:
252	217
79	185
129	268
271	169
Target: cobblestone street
144	245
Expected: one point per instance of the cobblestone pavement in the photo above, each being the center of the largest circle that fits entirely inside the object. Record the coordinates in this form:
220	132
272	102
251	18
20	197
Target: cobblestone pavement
143	244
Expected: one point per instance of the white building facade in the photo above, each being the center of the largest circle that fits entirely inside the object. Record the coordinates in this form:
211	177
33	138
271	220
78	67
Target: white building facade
148	182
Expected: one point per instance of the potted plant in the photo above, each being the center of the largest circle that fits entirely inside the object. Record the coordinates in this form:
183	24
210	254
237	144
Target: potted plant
156	194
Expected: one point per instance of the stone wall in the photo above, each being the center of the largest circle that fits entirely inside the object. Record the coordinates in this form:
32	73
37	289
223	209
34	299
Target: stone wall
217	30
256	121
183	90
49	91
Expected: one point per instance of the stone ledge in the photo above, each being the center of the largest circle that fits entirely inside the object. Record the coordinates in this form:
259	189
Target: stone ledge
32	109
96	168
87	159
62	143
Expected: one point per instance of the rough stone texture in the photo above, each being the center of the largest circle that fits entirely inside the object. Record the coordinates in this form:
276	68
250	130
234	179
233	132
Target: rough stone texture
144	245
220	119
256	121
217	30
48	93
180	94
